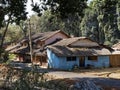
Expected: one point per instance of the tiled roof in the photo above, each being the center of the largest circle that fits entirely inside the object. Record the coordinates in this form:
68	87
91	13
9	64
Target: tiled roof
67	51
63	48
13	47
42	36
35	37
68	41
26	50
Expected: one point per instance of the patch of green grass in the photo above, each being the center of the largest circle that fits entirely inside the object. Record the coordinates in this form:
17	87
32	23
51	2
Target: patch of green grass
12	56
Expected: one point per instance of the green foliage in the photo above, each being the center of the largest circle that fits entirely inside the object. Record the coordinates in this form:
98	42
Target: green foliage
12	56
3	56
13	34
101	21
64	14
14	9
62	8
50	22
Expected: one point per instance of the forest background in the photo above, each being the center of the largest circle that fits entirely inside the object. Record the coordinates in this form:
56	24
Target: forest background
98	19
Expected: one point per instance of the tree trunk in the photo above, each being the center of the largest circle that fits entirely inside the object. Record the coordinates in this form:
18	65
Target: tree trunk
4	33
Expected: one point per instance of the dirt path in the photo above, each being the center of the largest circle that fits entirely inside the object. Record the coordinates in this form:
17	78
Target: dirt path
100	77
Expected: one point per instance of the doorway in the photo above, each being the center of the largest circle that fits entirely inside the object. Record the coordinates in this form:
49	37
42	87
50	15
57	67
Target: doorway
82	61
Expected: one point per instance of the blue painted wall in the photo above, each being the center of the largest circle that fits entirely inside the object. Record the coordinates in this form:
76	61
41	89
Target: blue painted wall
57	62
60	62
103	61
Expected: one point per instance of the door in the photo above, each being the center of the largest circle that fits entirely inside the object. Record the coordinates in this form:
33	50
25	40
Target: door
82	61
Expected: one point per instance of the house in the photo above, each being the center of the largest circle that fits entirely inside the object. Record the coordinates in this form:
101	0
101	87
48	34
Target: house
77	51
115	57
39	43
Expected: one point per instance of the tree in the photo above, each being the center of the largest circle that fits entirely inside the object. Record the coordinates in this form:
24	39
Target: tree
110	19
50	22
62	7
70	12
118	14
13	34
102	21
14	10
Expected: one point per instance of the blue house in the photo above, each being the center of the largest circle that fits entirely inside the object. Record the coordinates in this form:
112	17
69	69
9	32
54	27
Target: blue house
77	51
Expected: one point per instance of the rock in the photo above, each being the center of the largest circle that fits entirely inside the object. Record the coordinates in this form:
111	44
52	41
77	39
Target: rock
84	85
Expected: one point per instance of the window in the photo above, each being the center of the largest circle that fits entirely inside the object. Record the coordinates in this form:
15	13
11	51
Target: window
24	44
71	58
94	58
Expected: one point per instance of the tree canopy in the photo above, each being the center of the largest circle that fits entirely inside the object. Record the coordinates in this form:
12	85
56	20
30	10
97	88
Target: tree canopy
15	11
98	20
101	21
62	8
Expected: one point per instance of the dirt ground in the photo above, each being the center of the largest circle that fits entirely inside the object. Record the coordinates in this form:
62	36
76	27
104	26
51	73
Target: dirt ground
113	73
104	72
108	78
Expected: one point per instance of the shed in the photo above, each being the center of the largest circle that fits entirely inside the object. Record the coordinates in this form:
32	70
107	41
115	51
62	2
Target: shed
115	57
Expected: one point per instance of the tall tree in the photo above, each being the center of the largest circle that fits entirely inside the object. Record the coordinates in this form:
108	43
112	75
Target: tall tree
14	10
104	14
70	12
13	34
49	22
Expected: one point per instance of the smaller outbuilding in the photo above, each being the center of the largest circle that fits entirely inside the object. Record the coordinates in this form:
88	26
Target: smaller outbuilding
77	52
115	57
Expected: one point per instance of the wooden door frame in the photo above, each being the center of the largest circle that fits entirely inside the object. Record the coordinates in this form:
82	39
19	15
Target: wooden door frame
82	61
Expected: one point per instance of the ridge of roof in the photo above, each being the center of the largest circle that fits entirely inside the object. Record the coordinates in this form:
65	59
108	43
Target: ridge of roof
68	41
43	35
47	35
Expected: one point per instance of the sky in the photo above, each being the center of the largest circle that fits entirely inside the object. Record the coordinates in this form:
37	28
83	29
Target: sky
30	12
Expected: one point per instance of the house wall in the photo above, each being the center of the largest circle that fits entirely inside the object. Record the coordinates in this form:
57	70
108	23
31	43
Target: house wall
19	58
40	60
103	61
54	37
115	60
58	62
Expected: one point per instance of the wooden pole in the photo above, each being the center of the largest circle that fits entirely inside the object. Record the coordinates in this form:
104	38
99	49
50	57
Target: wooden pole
30	43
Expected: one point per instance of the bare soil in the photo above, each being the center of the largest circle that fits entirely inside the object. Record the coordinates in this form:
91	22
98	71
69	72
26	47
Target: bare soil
103	72
107	78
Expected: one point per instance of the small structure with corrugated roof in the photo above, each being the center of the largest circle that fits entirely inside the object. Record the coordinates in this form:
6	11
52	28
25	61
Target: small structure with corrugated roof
77	51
